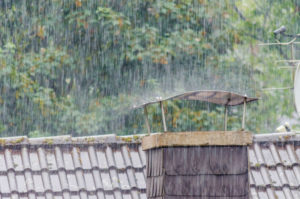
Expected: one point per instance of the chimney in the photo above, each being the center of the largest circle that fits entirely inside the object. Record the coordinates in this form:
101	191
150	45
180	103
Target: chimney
193	165
198	165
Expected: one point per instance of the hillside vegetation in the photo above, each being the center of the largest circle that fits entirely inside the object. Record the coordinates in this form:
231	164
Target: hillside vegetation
77	66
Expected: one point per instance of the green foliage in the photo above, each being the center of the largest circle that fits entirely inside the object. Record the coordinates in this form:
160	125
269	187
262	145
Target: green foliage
76	66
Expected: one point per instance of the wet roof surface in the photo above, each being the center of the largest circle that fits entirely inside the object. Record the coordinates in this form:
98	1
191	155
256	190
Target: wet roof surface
275	166
111	167
213	96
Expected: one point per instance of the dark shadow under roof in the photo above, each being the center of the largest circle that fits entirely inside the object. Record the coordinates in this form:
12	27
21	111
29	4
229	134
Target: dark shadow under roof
213	96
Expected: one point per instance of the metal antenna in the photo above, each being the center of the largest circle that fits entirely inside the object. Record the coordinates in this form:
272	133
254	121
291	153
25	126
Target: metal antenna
163	116
146	120
244	114
226	114
291	62
225	117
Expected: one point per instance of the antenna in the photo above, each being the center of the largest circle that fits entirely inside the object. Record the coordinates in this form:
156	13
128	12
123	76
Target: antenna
293	63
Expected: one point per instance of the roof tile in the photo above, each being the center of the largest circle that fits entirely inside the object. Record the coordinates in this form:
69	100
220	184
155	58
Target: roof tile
93	157
108	167
97	178
85	159
291	152
38	183
72	182
284	156
76	157
291	178
12	181
271	193
55	183
100	194
114	178
2	162
63	179
8	159
296	170
296	193
131	177
67	161
4	183
125	151
268	158
275	154
25	158
257	178
124	182
110	157
88	178
46	181
106	181
34	160
80	179
102	159
21	183
29	180
287	193
275	181
279	194
281	174
59	163
262	194
120	164
135	158
258	153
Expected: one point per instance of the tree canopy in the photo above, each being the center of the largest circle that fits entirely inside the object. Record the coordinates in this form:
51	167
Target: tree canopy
77	66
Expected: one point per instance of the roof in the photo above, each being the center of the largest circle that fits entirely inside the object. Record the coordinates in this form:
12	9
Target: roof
112	167
275	166
213	96
106	167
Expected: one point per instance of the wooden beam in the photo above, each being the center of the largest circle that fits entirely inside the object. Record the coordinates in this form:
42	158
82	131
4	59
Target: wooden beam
198	138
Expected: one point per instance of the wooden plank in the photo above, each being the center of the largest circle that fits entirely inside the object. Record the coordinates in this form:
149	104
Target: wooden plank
203	186
198	138
203	160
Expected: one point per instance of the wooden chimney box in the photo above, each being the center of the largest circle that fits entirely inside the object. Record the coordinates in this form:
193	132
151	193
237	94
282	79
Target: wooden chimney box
194	165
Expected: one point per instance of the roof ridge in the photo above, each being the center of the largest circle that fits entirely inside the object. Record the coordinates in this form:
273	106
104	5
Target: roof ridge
276	137
124	139
68	139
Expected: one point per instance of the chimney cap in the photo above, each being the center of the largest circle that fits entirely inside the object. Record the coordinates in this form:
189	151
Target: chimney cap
219	97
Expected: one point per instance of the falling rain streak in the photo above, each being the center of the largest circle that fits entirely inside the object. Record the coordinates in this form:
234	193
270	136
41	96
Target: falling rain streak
78	66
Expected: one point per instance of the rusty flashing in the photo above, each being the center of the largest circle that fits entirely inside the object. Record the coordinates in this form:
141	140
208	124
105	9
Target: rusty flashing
198	138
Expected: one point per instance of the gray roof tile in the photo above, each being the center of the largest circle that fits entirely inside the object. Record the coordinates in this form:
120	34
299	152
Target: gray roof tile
113	167
275	161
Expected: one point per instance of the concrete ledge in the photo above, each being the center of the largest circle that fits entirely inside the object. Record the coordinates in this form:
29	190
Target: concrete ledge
198	138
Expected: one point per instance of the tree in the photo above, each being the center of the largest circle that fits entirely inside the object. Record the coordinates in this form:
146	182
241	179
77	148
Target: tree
76	66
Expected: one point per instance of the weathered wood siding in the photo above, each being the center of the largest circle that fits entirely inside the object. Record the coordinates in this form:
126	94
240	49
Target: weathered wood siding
198	172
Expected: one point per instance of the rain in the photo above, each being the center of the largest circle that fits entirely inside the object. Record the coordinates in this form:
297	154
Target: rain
79	77
78	67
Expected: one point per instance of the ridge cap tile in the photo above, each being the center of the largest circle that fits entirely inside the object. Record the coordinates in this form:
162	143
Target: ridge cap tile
276	137
69	139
